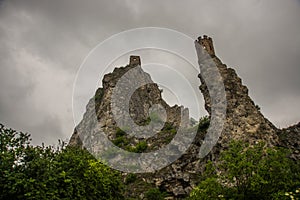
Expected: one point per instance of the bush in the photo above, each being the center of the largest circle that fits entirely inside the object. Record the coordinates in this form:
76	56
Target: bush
120	141
168	126
141	147
99	95
130	178
120	132
204	123
154	194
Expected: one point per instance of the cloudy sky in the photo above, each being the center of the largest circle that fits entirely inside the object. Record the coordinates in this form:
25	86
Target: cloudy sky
44	42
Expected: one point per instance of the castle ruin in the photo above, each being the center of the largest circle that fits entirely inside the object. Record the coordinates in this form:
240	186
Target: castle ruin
207	43
134	60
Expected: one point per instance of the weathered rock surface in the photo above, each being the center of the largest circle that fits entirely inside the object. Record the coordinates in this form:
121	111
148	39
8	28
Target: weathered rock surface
140	103
290	138
243	121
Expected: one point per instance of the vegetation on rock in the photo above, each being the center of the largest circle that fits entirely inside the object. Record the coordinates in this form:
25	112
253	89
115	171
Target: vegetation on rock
154	194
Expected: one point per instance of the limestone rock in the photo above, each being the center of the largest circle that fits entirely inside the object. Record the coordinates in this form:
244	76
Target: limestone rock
290	138
243	121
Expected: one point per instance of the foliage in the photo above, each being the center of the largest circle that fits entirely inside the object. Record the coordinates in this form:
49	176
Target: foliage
204	123
83	177
121	141
169	128
141	147
249	172
120	132
138	148
98	97
291	195
52	173
130	178
154	194
210	188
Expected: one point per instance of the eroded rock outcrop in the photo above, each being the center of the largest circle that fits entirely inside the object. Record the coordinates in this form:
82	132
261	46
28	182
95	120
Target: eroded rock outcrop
290	138
243	121
139	103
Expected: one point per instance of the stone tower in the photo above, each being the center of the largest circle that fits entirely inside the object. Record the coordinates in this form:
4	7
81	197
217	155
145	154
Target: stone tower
207	44
134	60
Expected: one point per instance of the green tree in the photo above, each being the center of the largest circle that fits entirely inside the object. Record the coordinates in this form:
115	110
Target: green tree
41	172
209	187
83	177
250	172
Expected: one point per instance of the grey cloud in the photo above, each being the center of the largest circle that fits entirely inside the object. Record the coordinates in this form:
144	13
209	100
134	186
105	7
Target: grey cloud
43	42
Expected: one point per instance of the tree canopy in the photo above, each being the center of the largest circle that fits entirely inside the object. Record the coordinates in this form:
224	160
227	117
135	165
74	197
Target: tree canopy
250	172
39	172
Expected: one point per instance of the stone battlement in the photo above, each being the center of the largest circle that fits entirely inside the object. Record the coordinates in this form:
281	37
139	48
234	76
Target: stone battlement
135	60
207	43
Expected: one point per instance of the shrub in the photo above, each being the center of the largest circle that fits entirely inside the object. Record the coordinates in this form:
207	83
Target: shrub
141	147
130	178
120	132
168	126
204	123
154	194
120	141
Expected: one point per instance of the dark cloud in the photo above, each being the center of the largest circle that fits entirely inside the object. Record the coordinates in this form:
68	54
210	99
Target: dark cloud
43	42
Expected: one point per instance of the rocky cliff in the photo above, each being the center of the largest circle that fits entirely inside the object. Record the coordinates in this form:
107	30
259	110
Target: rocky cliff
290	138
243	121
140	102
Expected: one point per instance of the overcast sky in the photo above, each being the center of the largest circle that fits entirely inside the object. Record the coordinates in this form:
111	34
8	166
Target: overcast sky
43	43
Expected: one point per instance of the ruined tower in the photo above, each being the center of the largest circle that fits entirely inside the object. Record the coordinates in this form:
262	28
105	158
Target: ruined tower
207	44
134	60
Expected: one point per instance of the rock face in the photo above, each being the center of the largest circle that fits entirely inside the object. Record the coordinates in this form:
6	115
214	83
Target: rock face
243	121
290	138
140	102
